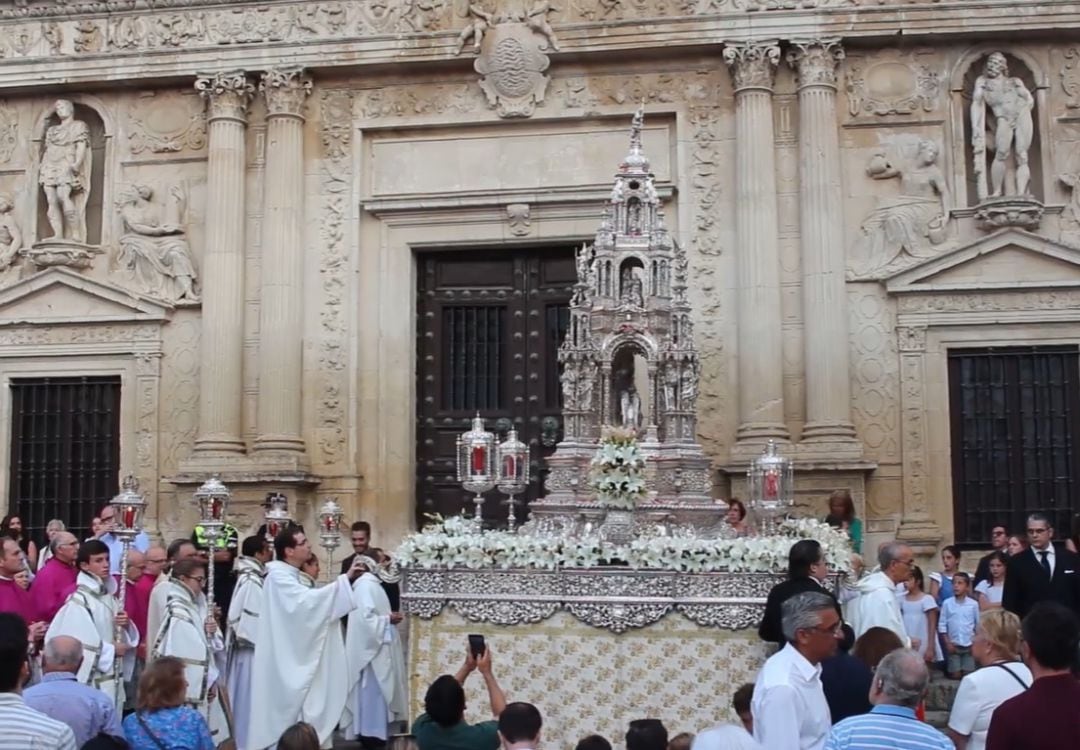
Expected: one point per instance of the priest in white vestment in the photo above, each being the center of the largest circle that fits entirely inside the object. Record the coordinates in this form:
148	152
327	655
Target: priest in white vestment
180	549
300	671
91	615
189	634
377	694
243	621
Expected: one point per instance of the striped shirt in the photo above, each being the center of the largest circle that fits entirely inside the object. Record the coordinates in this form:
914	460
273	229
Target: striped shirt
27	729
886	728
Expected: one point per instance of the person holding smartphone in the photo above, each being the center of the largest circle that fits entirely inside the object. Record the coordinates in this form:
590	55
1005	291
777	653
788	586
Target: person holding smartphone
442	726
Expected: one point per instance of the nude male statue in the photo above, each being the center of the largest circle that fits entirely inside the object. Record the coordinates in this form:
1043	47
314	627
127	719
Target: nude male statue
1010	103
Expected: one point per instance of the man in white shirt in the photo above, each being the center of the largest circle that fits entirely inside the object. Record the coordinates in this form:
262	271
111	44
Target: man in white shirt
877	605
519	727
789	706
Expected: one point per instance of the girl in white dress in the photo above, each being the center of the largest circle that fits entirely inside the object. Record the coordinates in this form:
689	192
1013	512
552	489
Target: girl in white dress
989	592
920	613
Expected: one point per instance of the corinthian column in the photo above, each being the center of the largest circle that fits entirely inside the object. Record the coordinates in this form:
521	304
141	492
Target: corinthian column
282	268
222	338
761	385
828	429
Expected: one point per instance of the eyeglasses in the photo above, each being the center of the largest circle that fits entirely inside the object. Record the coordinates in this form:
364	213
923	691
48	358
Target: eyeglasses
908	563
829	629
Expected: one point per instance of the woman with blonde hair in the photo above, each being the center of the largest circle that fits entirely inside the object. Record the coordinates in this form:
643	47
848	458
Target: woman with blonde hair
996	648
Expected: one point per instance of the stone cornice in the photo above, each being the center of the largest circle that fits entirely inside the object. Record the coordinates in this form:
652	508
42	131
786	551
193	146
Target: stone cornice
84	42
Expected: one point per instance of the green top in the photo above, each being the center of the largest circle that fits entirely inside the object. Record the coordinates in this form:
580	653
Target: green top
855	533
462	736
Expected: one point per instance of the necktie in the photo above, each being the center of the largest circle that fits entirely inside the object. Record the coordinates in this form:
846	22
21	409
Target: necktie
1045	554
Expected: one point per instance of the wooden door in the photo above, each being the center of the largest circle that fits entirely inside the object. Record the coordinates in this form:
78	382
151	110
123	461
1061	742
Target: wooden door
489	326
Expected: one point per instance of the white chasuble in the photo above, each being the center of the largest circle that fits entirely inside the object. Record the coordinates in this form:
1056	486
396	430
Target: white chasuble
377	691
89	615
300	671
243	619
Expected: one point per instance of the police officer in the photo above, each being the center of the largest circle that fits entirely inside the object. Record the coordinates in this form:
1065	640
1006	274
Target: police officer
224	559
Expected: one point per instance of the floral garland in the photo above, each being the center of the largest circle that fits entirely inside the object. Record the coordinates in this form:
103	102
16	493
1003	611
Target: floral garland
459	543
616	471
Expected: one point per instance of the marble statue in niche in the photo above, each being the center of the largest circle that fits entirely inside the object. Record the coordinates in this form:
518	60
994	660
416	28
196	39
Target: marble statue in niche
631	290
1009	128
671	387
911	224
11	239
65	174
154	245
630	408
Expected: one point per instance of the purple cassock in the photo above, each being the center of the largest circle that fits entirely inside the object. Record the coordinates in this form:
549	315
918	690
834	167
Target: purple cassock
51	588
13	598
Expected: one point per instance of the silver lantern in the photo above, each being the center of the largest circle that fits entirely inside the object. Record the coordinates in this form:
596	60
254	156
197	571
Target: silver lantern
330	519
128	509
512	461
771	484
212	499
476	469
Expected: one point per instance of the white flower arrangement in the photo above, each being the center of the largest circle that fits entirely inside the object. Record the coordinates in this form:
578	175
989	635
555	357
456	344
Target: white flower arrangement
458	543
616	471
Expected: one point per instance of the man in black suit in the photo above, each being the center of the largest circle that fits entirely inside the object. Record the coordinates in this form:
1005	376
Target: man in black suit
1041	572
360	536
806	571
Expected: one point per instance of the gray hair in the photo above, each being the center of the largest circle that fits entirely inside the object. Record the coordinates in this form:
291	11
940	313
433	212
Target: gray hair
803	611
902	677
1039	518
63	654
57	524
889	552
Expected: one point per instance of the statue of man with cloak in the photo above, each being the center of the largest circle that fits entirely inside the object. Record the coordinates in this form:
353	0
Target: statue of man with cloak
377	692
300	671
243	619
91	615
191	635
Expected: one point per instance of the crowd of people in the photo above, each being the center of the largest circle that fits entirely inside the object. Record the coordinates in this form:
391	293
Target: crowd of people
279	661
274	660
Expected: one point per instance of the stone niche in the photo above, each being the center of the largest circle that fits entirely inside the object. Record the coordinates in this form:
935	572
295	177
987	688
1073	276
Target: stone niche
96	191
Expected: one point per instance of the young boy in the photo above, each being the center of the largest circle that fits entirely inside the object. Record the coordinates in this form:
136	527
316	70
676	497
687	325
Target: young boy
959	618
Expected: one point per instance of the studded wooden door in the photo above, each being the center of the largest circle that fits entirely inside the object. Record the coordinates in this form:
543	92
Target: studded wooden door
489	325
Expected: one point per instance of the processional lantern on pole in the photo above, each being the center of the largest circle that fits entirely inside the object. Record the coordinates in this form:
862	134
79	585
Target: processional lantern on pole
512	457
128	509
330	519
212	499
771	483
476	468
276	516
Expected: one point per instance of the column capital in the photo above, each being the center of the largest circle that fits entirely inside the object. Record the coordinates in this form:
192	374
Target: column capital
227	94
815	61
286	90
753	64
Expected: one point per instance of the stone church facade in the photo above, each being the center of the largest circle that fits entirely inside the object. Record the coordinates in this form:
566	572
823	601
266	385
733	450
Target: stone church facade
222	216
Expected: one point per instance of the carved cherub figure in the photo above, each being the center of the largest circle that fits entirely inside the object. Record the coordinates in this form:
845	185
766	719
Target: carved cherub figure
481	22
536	19
10	234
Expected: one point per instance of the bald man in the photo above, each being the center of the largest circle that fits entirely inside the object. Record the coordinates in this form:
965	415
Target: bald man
56	579
60	696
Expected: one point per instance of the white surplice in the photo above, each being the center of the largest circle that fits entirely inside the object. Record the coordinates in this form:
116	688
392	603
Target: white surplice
300	671
243	622
377	692
89	615
155	609
183	635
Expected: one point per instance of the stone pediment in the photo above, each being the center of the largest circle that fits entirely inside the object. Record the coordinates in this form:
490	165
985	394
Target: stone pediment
1010	259
61	296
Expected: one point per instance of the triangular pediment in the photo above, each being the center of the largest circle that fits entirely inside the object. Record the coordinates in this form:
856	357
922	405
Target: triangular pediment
1009	259
60	296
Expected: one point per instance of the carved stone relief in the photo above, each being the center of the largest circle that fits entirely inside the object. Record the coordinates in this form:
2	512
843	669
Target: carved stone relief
517	216
1070	77
160	124
9	132
875	376
153	246
180	390
909	226
406	101
11	242
896	83
89	36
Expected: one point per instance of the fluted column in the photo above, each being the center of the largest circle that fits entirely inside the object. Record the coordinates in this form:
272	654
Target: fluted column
828	428
222	338
761	384
278	420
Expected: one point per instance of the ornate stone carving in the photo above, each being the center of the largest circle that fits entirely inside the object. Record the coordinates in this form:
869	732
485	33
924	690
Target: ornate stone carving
1010	211
64	174
891	87
1070	77
1010	126
11	241
989	302
162	125
228	94
815	61
909	226
154	246
157	30
517	216
249	25
405	101
9	132
89	36
512	62
1071	180
911	339
286	90
753	65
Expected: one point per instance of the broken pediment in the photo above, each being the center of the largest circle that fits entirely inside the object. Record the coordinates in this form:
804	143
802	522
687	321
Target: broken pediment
1007	259
62	296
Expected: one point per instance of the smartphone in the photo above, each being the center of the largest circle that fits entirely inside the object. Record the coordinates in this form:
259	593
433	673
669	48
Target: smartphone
477	645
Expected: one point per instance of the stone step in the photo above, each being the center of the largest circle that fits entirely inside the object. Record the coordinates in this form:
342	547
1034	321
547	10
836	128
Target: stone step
941	693
938	719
